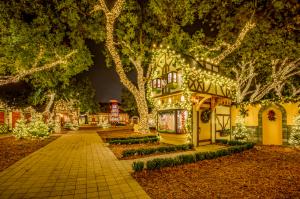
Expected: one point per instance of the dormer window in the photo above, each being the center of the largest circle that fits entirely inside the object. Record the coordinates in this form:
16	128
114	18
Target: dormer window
172	77
156	83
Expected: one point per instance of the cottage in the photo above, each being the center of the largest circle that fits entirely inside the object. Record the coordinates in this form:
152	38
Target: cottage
194	103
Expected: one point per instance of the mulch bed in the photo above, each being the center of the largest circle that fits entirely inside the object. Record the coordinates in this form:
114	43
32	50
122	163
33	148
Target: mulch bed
12	149
262	172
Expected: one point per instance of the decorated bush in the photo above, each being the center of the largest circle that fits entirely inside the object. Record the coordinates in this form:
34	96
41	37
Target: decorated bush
240	132
37	128
34	129
21	129
71	126
54	126
294	138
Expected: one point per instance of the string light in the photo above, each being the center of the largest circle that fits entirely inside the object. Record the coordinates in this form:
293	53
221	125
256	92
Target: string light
139	90
183	100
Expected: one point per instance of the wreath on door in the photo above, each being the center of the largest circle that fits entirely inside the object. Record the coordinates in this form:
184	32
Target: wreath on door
272	115
205	115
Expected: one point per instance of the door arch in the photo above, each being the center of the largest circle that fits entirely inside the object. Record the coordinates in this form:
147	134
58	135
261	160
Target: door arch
272	132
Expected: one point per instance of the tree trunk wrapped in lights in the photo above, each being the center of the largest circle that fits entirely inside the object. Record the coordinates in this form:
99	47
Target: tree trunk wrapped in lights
138	91
47	110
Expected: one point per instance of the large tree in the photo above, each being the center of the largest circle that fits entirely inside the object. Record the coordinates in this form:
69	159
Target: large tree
131	29
43	44
235	33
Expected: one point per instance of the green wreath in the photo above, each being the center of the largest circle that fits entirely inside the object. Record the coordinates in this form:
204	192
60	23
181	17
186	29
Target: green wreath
205	115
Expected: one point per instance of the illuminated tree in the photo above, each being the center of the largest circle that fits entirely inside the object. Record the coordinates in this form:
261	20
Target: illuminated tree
248	89
128	43
42	46
231	32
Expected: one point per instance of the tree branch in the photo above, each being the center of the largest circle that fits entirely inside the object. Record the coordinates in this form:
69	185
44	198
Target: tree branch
111	17
4	80
229	48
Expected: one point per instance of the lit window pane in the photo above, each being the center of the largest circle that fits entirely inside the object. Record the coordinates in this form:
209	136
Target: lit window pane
153	84
158	83
174	77
169	77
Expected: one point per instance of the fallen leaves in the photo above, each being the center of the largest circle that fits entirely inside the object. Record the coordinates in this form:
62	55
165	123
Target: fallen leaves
12	149
267	172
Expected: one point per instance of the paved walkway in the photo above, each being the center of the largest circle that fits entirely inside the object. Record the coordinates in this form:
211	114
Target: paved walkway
205	148
76	165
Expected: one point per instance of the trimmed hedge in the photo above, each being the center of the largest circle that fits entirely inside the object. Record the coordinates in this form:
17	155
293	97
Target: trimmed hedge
138	166
131	138
135	141
163	149
158	163
230	142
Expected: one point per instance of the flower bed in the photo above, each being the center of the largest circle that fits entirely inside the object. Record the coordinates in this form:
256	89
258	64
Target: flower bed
159	163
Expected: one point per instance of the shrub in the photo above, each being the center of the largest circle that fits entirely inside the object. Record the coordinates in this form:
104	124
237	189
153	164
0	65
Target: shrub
235	142
138	166
34	129
200	156
37	128
294	138
222	141
71	126
127	153
134	141
21	130
158	163
163	149
185	159
131	138
241	132
4	129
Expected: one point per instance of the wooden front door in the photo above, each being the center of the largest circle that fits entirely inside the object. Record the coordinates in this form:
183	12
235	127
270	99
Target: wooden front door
15	117
2	118
204	127
272	127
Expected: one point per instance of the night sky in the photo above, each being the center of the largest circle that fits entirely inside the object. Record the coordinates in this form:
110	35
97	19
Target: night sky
105	80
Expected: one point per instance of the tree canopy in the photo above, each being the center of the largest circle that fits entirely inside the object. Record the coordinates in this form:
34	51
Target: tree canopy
34	34
203	29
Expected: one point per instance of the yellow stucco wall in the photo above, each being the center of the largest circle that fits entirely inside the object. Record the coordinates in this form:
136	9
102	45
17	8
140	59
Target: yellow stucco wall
291	112
252	119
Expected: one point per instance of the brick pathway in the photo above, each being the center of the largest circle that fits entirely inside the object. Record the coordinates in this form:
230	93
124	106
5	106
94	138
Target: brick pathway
76	165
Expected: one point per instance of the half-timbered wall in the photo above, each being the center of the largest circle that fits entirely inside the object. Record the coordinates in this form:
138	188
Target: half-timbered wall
198	85
222	121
